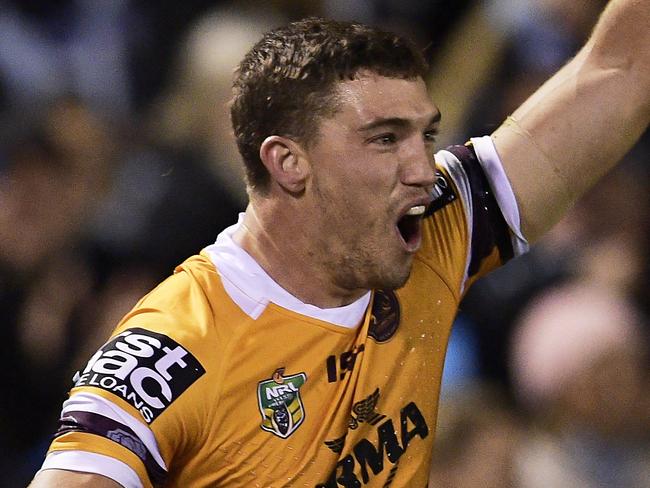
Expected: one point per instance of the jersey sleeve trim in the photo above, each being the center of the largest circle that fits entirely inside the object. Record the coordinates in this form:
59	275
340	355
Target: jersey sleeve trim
90	413
489	159
90	462
492	215
92	423
90	402
451	163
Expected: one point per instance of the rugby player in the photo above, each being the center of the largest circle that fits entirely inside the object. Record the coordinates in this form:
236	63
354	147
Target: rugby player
305	346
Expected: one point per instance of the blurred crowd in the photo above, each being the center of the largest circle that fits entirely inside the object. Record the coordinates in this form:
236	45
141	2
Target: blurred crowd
117	162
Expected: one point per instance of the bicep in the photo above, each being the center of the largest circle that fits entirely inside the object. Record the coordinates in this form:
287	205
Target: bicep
59	478
569	133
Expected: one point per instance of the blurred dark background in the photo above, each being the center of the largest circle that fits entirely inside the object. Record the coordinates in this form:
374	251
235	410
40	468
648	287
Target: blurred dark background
116	163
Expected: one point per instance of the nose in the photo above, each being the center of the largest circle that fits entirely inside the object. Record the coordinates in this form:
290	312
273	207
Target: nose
418	166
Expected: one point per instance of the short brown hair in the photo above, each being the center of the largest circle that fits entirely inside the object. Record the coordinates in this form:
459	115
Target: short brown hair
287	80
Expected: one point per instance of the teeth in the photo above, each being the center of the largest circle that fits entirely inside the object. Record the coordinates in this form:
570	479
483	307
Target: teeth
417	210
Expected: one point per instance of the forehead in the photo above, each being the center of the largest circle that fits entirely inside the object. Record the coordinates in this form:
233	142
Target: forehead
370	97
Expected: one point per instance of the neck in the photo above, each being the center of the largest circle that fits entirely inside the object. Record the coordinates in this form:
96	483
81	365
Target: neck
282	247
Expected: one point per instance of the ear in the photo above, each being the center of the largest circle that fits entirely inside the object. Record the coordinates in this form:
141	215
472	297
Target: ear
285	161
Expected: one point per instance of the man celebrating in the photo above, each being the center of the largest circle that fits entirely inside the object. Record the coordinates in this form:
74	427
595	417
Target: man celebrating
305	347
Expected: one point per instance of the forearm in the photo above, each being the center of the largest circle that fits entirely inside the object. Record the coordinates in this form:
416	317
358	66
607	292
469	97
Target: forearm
583	120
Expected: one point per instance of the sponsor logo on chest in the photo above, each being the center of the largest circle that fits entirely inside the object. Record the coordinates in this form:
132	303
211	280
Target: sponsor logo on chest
146	369
389	442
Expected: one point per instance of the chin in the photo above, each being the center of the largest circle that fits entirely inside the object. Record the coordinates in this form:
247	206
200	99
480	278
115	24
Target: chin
393	278
397	281
374	270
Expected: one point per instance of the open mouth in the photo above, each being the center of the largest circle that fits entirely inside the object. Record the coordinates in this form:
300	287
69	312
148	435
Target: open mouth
409	227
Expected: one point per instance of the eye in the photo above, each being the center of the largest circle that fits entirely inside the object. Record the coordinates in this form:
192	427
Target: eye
430	135
384	139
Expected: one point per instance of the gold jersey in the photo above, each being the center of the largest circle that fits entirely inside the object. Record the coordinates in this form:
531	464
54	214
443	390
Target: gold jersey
194	390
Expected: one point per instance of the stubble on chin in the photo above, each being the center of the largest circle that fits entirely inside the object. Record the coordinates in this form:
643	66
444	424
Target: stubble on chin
369	273
394	279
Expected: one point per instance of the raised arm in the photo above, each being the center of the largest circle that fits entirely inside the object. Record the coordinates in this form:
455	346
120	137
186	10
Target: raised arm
582	121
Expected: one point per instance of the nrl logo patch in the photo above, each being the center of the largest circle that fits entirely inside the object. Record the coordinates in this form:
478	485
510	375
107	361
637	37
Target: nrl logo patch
280	403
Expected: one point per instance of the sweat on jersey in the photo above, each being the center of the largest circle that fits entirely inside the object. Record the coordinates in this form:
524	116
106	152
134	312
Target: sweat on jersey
220	378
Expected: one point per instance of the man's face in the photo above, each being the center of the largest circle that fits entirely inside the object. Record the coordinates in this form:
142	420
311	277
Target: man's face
372	177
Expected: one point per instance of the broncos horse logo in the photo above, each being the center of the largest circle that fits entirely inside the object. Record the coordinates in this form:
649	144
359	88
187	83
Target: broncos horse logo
365	411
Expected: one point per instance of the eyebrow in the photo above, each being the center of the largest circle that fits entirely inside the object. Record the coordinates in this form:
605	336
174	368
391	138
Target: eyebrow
395	121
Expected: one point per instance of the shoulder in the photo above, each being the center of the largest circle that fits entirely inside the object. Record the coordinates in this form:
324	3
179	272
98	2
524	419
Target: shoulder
474	225
163	345
181	307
